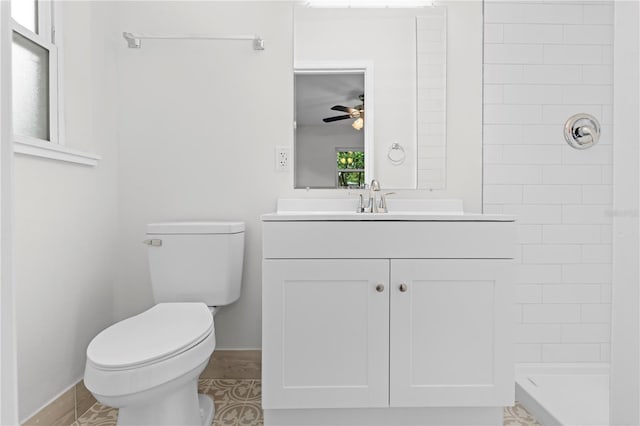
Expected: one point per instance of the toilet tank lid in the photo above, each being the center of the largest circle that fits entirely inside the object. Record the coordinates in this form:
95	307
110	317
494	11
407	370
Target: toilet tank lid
195	228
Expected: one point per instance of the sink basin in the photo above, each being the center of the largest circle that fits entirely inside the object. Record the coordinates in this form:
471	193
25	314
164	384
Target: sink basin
350	205
399	209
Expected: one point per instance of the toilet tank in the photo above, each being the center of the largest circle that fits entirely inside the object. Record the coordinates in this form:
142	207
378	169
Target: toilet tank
196	261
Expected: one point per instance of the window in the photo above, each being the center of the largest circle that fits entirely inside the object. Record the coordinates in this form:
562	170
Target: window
37	81
350	168
35	72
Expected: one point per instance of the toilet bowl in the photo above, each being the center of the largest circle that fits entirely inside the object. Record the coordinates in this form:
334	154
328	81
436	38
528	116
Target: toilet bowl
148	365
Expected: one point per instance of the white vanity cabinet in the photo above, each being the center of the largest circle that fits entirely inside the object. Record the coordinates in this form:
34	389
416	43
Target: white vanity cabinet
450	342
325	333
375	320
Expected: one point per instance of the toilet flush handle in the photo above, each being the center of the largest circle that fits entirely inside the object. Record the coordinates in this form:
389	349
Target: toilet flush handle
156	242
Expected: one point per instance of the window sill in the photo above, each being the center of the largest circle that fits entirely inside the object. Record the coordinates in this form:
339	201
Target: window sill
55	151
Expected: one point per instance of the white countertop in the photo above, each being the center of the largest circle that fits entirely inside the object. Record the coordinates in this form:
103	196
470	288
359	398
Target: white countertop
397	216
431	210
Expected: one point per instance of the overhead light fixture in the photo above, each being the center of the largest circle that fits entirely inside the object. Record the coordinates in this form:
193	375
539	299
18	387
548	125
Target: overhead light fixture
358	124
369	4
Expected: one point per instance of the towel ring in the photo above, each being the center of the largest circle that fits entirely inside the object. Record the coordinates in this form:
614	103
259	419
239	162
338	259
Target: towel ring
396	154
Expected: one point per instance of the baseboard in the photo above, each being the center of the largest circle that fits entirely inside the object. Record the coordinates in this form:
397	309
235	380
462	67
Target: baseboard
234	364
65	409
75	401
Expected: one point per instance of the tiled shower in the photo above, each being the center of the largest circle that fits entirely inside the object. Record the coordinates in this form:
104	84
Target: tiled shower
543	63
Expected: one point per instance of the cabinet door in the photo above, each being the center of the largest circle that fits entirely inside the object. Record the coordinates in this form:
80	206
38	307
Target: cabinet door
451	333
325	333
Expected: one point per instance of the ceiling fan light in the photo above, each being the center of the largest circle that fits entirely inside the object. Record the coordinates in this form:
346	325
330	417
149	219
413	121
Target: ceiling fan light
358	124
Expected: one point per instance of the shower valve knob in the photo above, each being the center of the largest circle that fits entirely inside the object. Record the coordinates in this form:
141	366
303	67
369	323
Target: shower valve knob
582	131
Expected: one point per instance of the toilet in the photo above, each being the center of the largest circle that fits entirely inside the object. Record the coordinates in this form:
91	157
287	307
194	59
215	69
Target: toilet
148	365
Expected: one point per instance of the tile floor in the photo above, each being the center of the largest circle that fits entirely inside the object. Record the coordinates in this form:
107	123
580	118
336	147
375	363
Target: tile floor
238	404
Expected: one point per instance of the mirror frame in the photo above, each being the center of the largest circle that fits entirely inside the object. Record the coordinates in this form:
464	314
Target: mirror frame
343	67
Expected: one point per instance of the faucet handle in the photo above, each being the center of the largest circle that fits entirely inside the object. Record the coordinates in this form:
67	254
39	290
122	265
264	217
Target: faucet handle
360	208
383	202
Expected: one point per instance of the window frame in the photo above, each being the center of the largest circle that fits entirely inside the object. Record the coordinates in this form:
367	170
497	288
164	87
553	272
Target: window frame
49	37
45	38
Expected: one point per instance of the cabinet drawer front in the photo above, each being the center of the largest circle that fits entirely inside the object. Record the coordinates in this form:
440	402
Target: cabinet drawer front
451	333
409	240
325	333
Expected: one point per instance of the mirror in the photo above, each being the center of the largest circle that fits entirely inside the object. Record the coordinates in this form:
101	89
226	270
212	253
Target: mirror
405	57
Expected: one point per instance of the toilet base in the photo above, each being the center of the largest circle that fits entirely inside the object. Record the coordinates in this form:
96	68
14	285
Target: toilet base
182	406
207	409
174	403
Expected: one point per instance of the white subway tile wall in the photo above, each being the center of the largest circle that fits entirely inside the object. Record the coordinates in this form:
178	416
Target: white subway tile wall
545	61
431	42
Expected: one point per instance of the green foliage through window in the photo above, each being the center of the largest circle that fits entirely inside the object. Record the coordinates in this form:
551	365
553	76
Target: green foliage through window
350	165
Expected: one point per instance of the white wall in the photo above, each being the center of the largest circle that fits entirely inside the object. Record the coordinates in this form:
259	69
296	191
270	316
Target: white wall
199	121
543	63
65	225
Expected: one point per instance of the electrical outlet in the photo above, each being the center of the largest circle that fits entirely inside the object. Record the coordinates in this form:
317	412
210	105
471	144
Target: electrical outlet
283	158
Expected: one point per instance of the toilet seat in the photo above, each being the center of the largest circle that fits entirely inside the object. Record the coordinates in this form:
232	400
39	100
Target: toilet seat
148	350
162	332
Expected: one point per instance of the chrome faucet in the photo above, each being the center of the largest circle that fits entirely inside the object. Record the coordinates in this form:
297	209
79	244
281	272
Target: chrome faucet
373	206
373	189
361	208
383	202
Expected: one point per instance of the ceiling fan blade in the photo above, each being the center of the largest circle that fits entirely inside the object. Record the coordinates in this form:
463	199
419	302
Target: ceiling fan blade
336	118
341	108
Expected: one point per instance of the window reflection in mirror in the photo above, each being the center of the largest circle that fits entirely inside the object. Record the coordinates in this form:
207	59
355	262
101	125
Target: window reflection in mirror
350	168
